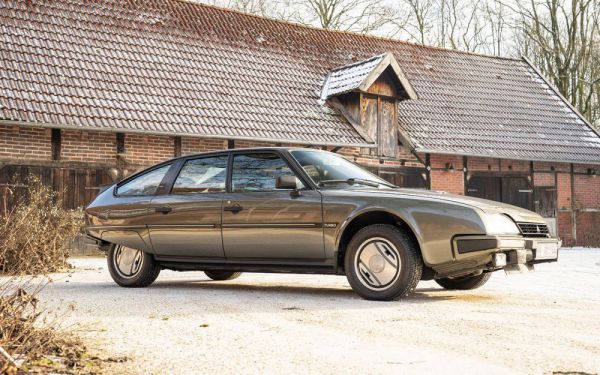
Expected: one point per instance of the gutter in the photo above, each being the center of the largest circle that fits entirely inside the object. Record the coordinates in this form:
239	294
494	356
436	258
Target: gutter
562	161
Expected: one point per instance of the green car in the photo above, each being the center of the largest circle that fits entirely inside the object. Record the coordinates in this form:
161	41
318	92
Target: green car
299	210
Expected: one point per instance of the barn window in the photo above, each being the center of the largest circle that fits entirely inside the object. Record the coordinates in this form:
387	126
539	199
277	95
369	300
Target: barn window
56	144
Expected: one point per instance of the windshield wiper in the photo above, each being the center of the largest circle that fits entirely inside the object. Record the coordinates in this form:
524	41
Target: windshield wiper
359	181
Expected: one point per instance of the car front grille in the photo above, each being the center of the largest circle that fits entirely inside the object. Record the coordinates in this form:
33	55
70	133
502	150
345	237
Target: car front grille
533	229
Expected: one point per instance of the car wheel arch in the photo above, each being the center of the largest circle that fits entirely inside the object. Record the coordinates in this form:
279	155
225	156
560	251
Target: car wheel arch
369	217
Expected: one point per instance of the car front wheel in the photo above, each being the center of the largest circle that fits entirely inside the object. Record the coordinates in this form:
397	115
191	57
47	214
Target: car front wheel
130	267
382	263
464	282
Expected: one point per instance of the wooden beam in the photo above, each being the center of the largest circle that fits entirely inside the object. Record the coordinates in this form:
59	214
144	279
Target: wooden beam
389	61
573	206
335	103
428	168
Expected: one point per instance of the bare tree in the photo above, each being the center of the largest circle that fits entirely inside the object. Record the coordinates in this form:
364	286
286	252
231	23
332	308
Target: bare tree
260	7
420	22
362	16
458	24
465	25
496	16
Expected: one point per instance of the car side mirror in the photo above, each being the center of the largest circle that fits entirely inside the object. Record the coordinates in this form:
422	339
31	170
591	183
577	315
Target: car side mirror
286	182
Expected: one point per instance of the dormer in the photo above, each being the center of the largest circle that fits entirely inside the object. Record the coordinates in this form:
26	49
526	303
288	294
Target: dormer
367	94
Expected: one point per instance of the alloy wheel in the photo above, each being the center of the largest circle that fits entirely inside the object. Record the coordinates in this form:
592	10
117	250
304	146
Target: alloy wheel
377	263
128	261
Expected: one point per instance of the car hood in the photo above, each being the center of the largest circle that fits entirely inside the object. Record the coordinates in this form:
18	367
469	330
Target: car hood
516	213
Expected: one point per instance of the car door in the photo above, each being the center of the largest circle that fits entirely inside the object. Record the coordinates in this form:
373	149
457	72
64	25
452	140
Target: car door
260	221
187	219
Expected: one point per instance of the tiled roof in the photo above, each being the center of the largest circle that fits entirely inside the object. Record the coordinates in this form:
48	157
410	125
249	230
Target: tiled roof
349	77
177	67
359	76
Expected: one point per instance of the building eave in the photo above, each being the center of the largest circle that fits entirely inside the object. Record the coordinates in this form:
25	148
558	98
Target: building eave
470	154
181	134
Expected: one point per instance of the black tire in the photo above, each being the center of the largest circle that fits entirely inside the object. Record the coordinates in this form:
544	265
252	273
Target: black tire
465	282
219	275
377	240
146	271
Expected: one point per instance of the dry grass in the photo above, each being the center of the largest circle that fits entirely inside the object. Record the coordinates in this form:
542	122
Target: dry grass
31	336
34	239
35	234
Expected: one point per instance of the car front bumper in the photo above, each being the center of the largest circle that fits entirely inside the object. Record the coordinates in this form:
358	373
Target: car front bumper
511	253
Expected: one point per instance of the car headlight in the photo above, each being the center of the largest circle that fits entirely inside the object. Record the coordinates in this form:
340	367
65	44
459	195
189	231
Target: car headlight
500	224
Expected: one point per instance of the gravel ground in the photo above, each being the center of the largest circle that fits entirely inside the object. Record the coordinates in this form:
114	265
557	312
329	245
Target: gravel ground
542	322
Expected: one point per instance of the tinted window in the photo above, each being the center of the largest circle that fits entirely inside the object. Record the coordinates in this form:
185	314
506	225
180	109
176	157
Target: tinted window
257	172
205	175
325	166
145	184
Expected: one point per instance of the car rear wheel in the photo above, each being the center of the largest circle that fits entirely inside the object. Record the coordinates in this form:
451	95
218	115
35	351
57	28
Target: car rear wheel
382	263
130	267
219	275
464	282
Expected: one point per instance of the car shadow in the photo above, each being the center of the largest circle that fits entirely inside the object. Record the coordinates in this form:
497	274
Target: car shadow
418	296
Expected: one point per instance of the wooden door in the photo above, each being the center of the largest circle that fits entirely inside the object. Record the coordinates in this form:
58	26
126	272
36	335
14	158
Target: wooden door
486	187
387	137
517	191
545	201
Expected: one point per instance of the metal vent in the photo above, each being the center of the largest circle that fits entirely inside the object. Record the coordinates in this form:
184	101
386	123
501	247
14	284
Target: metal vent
533	229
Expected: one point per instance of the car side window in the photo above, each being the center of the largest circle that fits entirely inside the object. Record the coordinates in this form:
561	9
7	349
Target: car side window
257	172
203	175
146	184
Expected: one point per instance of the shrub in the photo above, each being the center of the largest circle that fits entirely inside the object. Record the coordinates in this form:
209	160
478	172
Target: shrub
35	237
35	234
34	343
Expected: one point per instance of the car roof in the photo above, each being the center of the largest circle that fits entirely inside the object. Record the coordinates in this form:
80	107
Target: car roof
246	149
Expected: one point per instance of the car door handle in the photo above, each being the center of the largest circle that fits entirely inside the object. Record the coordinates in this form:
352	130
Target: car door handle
163	210
235	208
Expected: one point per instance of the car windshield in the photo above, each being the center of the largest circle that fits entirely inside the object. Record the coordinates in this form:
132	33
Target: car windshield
328	169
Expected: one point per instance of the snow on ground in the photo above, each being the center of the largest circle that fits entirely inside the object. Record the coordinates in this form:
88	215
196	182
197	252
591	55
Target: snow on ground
539	322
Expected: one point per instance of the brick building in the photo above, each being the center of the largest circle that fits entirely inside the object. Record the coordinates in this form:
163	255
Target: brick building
91	91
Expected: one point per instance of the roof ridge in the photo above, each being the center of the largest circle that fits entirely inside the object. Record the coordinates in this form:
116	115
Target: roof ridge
345	32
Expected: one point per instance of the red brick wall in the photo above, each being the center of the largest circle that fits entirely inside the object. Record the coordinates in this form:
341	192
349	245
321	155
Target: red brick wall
551	167
588	228
248	143
450	181
483	164
148	149
563	191
543	179
88	146
564	225
587	191
195	145
25	143
515	165
440	161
